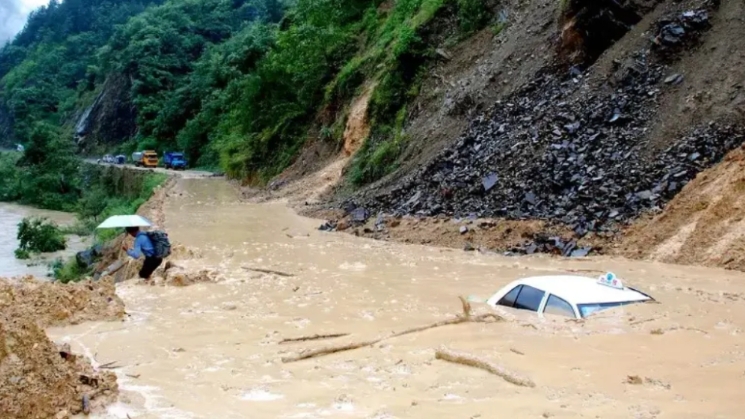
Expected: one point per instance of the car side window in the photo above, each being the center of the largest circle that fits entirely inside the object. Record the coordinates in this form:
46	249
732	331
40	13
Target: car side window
558	307
529	299
509	299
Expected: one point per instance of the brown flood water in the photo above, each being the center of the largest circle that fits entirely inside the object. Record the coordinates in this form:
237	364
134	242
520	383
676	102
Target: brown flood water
211	350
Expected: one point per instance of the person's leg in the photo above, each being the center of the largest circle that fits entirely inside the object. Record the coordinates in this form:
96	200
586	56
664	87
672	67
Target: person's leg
150	265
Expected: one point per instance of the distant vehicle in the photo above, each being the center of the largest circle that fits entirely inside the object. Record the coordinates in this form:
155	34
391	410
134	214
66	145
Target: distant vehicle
108	158
173	160
147	158
120	159
567	295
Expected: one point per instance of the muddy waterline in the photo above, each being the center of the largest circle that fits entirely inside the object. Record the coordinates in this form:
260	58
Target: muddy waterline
211	350
10	216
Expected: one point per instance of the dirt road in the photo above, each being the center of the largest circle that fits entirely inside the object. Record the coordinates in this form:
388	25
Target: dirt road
212	350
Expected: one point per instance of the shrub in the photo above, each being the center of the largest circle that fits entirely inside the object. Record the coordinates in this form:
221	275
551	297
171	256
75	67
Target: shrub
38	235
472	15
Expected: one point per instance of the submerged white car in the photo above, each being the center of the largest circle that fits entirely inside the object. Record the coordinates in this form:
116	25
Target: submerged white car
567	295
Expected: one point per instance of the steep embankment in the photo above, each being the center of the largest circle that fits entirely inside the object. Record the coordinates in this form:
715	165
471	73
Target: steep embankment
629	105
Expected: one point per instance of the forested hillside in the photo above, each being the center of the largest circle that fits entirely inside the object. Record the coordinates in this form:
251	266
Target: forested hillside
236	84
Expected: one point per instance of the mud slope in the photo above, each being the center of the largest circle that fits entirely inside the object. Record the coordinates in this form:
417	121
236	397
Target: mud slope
703	225
39	379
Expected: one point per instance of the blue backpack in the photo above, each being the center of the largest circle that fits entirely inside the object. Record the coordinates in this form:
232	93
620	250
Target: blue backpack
161	244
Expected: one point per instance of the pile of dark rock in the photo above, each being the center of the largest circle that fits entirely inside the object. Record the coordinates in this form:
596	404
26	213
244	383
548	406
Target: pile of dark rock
542	243
681	31
559	151
86	258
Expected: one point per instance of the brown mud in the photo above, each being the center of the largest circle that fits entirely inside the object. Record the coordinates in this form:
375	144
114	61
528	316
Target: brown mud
39	379
703	225
373	303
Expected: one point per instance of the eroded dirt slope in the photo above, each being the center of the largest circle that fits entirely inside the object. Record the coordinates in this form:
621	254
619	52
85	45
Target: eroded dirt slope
703	225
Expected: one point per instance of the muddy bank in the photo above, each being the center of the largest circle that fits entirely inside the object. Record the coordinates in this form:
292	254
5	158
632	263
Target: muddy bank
488	235
39	379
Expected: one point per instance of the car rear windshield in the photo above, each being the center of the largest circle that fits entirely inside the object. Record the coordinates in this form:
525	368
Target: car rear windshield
588	309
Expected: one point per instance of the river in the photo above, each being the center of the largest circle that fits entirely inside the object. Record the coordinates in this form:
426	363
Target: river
10	216
213	351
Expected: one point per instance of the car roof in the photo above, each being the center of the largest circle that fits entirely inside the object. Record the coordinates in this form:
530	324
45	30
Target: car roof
582	290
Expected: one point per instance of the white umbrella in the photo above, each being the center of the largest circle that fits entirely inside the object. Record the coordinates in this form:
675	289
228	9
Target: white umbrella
123	221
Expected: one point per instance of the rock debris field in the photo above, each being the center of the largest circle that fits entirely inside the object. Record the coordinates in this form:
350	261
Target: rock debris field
561	151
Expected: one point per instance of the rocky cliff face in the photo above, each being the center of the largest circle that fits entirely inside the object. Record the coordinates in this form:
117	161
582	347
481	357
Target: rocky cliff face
110	119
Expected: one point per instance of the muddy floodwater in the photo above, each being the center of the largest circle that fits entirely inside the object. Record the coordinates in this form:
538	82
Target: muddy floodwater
212	350
10	216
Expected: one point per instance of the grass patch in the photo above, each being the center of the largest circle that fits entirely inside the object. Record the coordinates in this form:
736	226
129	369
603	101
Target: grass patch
68	271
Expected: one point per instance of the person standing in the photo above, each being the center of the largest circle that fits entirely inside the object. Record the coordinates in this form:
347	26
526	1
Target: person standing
143	246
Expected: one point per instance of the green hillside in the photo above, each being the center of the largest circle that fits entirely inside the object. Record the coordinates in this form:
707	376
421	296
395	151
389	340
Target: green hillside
236	84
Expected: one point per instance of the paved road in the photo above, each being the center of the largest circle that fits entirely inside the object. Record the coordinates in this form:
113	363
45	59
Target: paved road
180	173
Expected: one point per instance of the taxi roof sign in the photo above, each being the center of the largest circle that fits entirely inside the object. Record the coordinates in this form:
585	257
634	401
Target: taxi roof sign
610	280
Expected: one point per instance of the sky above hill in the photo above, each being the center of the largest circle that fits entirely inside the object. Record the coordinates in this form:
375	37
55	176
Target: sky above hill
13	14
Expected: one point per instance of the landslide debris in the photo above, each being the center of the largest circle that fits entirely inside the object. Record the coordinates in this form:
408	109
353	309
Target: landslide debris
39	379
54	304
571	151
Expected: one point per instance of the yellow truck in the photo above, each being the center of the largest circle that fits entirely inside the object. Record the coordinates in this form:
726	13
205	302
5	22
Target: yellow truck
147	158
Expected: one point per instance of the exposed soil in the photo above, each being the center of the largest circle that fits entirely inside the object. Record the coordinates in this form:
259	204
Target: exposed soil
703	225
54	304
357	128
39	379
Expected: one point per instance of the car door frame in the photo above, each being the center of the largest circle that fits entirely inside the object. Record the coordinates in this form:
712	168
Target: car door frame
542	307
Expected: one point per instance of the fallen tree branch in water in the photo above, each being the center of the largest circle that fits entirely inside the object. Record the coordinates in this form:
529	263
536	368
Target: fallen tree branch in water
328	351
268	271
476	362
314	337
466	317
108	365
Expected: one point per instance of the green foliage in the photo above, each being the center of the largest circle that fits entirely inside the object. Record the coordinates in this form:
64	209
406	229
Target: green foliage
48	175
234	83
68	271
47	172
472	15
498	28
43	68
38	235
